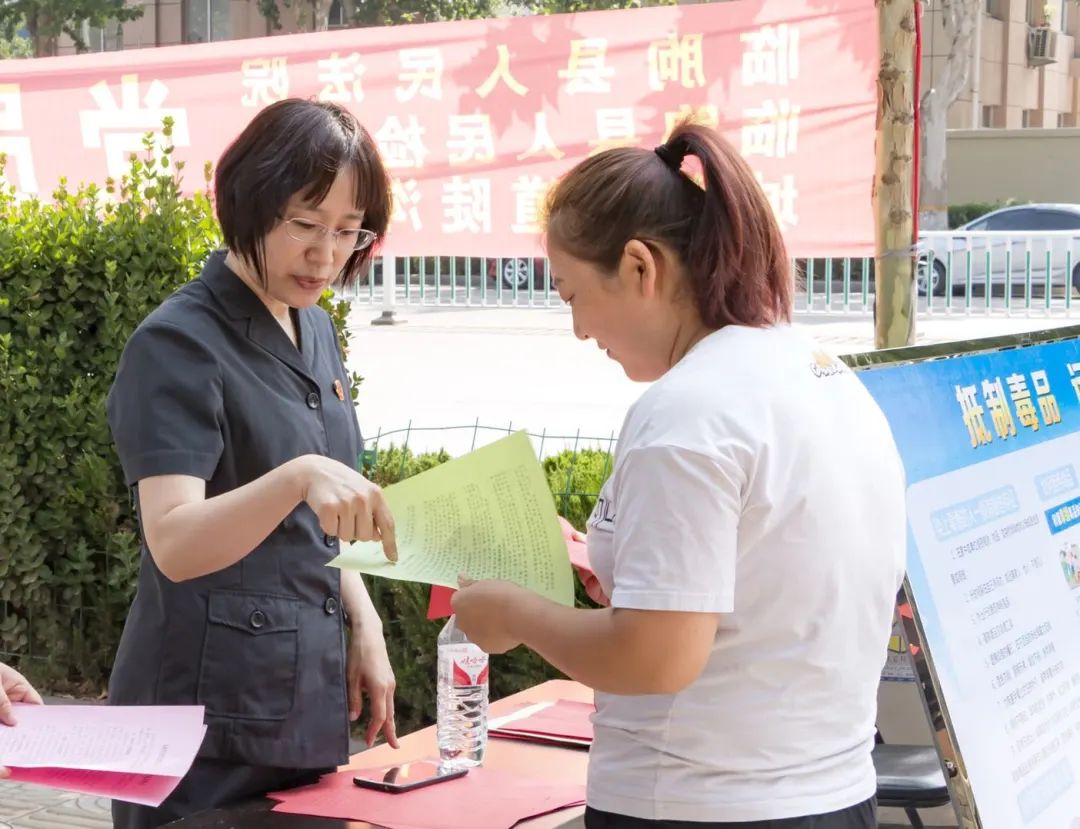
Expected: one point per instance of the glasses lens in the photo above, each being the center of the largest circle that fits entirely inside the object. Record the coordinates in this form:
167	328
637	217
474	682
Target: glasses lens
303	230
362	239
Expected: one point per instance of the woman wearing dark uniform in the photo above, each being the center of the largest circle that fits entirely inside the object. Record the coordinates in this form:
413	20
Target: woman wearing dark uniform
233	421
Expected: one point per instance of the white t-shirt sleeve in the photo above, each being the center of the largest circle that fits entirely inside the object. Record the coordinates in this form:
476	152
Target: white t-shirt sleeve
674	545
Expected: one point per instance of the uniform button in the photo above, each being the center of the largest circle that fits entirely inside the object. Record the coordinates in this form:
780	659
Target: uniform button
331	606
258	619
329	540
313	400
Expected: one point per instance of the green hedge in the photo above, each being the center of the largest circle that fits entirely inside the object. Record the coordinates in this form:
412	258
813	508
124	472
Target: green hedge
961	214
76	276
575	478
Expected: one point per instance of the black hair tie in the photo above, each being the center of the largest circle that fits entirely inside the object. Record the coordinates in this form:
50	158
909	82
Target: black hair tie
670	157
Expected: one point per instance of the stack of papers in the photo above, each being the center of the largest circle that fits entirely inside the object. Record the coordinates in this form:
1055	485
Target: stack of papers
562	722
135	753
482	799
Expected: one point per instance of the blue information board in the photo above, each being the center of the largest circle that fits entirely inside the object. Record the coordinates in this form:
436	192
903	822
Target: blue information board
991	445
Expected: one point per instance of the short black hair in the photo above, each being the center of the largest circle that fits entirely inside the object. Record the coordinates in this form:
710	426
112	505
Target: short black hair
297	146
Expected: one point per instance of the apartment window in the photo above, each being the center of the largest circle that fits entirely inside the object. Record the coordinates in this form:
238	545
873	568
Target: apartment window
206	20
1052	14
1027	118
993	9
337	19
989	114
106	38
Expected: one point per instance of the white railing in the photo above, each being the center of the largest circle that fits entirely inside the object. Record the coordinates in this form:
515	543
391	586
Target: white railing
957	272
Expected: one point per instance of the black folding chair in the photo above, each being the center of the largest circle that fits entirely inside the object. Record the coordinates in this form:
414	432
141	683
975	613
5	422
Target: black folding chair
909	778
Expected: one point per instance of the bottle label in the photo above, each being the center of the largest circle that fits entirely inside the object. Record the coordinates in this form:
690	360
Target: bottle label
470	664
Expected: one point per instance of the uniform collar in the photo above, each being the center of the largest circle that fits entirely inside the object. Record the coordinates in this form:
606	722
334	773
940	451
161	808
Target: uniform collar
239	302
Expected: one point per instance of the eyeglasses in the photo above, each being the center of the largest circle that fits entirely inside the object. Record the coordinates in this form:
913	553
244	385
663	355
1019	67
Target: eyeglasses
312	233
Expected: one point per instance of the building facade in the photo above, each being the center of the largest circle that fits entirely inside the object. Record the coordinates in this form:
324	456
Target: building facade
1025	65
173	22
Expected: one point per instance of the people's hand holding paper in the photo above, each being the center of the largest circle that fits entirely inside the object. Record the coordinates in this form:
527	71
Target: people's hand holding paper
577	547
13	688
480	608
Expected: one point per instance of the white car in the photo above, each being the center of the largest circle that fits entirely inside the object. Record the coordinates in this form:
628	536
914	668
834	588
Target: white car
1004	238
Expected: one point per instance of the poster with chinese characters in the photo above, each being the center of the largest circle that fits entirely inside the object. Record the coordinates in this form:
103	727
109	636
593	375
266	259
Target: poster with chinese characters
991	445
476	119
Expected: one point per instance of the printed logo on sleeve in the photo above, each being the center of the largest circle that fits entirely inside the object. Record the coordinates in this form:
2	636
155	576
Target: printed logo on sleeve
825	365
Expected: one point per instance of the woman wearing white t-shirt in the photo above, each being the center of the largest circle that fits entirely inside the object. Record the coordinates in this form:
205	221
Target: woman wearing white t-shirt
751	537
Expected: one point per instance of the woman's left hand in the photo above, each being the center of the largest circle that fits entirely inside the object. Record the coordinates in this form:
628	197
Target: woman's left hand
368	670
482	609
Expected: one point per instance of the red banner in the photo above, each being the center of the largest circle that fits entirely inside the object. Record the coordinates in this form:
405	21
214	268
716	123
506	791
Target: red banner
475	119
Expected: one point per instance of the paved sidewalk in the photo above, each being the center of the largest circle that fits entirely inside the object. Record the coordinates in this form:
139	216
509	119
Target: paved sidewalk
524	369
30	807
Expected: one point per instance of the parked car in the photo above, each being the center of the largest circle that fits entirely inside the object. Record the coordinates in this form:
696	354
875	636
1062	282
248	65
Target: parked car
1009	229
514	272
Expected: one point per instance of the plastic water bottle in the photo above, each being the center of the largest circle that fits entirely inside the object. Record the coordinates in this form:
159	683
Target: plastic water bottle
461	727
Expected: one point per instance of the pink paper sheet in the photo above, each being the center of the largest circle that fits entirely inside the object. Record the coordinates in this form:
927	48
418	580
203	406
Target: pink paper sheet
482	799
137	753
563	719
147	789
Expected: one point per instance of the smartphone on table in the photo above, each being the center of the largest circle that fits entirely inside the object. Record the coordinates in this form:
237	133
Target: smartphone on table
406	777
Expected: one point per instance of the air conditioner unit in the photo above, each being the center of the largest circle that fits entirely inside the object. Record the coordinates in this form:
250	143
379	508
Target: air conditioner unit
1041	46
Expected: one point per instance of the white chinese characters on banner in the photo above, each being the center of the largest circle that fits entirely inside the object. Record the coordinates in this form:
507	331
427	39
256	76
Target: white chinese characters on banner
118	126
708	115
542	143
407	198
402	145
470	139
782	196
770	55
615	127
529	194
20	160
502	73
466	205
771	130
341	78
676	60
265	81
586	69
421	74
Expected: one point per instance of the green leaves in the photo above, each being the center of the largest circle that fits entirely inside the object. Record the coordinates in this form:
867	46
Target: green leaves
76	277
46	20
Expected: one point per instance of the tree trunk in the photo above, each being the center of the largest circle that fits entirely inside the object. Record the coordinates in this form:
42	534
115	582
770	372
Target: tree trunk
894	272
933	176
959	20
320	15
42	35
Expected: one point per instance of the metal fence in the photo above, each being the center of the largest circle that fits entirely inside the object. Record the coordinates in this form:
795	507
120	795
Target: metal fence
459	440
1005	270
957	272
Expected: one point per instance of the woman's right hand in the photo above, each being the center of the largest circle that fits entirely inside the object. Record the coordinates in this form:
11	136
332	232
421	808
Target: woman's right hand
347	504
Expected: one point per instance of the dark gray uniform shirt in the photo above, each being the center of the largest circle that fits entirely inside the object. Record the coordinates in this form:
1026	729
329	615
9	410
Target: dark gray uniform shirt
209	385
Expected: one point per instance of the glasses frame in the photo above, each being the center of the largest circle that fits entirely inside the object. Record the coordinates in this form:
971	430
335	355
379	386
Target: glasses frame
365	240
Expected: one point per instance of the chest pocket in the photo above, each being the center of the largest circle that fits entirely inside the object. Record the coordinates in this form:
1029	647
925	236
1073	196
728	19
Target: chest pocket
250	655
